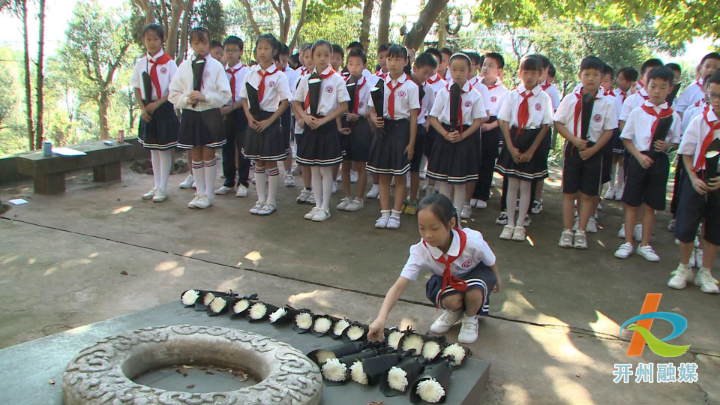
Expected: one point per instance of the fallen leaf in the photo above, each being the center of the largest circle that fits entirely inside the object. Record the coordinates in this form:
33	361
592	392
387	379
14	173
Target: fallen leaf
243	376
208	372
191	386
530	290
124	273
377	403
177	370
184	374
51	382
577	375
187	367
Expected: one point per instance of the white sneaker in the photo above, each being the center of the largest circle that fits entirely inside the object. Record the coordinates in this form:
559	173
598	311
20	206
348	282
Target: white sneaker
382	222
599	208
502	219
193	203
267	209
150	194
469	330
204	202
671	225
344	203
393	222
680	277
446	321
518	234
466	211
160	196
481	204
422	175
706	282
507	232
697	242
437	187
289	180
618	195
334	187
242	191
610	195
304	195
355	205
321	215
224	190
353	176
339	177
311	199
537	206
698	257
188	182
648	253
312	213
297	170
637	232
527	220
624	251
592	226
621	232
692	263
473	202
256	209
566	239
374	192
580	240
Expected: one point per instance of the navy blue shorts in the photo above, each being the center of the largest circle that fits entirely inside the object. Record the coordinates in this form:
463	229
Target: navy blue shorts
481	277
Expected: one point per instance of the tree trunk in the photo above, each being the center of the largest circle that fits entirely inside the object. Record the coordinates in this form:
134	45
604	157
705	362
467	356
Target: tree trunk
288	20
184	32
147	7
40	76
103	102
249	11
299	26
28	83
384	26
365	27
171	46
416	37
442	29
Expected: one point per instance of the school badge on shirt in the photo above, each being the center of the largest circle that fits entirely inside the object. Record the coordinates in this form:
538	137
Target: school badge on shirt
467	264
538	107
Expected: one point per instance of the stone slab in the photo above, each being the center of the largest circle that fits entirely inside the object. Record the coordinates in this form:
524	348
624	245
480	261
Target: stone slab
27	368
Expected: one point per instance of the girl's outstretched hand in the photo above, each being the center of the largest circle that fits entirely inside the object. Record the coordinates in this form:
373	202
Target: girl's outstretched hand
377	331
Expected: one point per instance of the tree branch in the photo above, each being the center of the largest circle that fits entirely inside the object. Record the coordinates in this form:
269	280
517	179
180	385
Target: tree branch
300	23
249	10
288	19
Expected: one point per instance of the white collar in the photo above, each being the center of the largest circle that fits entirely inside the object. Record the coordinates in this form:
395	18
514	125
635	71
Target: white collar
600	92
453	251
236	67
663	106
498	82
711	116
399	80
324	72
641	91
159	54
535	91
195	57
270	70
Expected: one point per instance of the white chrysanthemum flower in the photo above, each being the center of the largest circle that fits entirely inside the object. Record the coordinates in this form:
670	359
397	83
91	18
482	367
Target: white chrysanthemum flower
358	374
303	320
322	325
413	342
277	315
324	355
430	391
397	379
241	306
340	327
207	299
190	296
394	339
334	370
456	351
355	332
431	350
257	311
217	305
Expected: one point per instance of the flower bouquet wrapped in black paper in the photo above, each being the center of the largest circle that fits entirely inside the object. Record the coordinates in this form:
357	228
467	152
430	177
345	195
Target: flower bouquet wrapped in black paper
339	327
434	345
320	356
355	332
259	311
198	68
200	299
455	111
337	371
222	304
397	379
303	321
432	386
253	101
369	371
664	124
393	336
241	305
412	340
352	91
314	89
147	87
283	315
322	325
377	94
712	156
456	354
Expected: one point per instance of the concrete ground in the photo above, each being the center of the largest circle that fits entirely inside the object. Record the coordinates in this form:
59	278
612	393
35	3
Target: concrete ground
552	336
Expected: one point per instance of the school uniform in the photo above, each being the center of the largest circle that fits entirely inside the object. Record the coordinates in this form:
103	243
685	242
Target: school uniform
321	146
387	151
467	263
427	100
286	117
702	135
620	94
632	102
458	162
293	88
490	142
436	83
161	133
692	112
691	95
356	145
680	174
235	128
201	123
649	185
553	92
269	88
588	120
523	131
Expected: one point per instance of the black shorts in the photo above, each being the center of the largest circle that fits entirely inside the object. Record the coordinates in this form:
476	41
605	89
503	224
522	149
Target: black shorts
419	148
430	138
695	208
581	175
647	186
481	277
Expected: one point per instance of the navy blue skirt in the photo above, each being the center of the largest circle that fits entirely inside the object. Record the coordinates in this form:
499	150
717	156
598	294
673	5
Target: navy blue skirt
387	152
455	163
320	147
270	145
527	171
204	128
161	133
481	277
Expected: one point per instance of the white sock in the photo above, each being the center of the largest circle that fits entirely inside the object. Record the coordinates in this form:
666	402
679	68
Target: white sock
469	318
199	174
318	185
525	189
210	176
384	213
327	184
459	199
273	181
156	166
261	184
512	192
395	214
165	167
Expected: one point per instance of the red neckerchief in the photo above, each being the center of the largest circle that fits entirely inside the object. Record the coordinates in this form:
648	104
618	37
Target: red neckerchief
623	94
391	97
662	114
524	110
356	102
608	93
699	103
232	79
494	86
322	77
437	79
163	59
448	279
261	87
578	120
381	75
545	85
460	114
707	141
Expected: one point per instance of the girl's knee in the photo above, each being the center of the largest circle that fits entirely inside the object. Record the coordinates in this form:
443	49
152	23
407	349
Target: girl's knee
474	295
453	302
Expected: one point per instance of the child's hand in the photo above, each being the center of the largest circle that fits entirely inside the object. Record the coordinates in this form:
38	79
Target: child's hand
488	127
379	122
527	156
145	116
700	186
225	110
376	332
515	153
254	124
261	126
452	136
498	285
150	108
300	123
714	183
345	131
410	151
580	143
198	96
586	154
662	146
350	117
645	161
311	121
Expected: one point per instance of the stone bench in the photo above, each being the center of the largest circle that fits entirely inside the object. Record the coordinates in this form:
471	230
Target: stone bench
49	172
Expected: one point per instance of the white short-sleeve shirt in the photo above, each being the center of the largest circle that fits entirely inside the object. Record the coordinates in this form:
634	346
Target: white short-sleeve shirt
276	90
407	97
215	86
554	94
292	77
638	127
539	106
691	113
478	85
471	104
691	95
696	133
362	94
632	102
497	93
603	117
426	103
425	257
334	92
165	74
240	71
436	82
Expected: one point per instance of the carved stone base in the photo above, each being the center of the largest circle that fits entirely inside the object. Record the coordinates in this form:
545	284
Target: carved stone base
103	373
